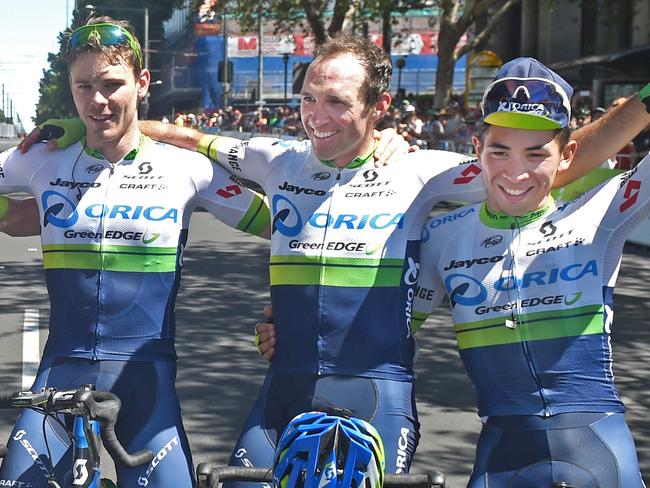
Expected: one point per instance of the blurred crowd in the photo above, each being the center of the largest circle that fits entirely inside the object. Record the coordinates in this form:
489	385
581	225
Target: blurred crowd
629	155
280	121
450	128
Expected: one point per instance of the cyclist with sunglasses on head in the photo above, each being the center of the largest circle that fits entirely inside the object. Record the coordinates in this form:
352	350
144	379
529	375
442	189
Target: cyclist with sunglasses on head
115	210
531	283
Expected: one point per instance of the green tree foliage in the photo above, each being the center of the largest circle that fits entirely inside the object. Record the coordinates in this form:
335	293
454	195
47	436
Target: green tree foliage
55	99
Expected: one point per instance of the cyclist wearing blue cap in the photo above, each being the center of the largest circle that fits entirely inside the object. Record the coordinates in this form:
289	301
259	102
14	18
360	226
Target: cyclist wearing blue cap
115	212
530	284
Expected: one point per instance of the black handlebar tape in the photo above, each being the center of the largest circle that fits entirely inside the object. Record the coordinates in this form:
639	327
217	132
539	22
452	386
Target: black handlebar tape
239	473
48	132
119	454
104	407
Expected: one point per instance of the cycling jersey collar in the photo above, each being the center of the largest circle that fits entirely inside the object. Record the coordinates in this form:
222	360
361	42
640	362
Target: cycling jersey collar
356	162
130	156
500	220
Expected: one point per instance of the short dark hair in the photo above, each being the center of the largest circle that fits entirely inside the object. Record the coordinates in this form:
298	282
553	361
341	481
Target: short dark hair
374	60
114	54
562	136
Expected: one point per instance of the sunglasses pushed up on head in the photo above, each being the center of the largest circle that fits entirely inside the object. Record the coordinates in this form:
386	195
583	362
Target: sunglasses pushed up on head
526	103
108	34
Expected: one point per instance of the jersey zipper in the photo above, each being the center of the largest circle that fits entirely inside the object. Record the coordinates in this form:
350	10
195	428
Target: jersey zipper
517	322
100	271
321	366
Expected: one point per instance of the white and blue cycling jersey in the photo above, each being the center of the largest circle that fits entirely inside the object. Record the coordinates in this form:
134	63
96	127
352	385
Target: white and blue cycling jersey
113	237
344	249
532	296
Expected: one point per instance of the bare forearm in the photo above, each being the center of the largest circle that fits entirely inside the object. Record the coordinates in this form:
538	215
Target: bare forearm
21	218
171	134
605	137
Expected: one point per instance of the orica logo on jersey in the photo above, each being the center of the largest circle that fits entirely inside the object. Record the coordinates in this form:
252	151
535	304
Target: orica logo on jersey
468	291
410	279
62	212
437	222
286	218
289	222
411	274
59	210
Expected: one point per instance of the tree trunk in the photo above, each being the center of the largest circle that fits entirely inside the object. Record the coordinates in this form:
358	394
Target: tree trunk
340	10
386	30
315	21
448	37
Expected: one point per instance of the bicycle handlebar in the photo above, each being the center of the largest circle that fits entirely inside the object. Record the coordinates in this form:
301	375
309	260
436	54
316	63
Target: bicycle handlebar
101	406
216	475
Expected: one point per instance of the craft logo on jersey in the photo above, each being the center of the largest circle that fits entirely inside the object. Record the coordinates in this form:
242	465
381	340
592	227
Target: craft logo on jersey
288	221
2	172
62	212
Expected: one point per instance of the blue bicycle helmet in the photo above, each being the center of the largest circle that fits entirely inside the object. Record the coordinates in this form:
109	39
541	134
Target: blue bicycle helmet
318	450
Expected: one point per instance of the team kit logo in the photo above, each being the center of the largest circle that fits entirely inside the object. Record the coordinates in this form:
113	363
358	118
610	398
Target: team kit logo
288	221
63	213
467	291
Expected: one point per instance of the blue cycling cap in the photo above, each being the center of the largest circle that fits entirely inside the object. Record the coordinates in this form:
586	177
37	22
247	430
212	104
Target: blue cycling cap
525	94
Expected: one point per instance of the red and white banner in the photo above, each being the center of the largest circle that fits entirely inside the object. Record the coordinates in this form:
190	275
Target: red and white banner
301	45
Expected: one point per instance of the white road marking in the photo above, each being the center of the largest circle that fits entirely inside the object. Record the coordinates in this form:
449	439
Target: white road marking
31	347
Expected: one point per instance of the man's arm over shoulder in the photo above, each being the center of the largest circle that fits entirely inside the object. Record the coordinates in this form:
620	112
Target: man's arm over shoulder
449	176
19	218
248	158
599	140
232	203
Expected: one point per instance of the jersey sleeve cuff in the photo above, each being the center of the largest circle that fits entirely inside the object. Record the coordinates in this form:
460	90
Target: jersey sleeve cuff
208	146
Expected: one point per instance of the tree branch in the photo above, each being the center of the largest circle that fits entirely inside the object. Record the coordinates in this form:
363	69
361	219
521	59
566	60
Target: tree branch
494	20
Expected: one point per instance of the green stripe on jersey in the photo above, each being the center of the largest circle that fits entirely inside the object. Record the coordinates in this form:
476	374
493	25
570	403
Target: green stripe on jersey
331	271
110	258
532	327
257	218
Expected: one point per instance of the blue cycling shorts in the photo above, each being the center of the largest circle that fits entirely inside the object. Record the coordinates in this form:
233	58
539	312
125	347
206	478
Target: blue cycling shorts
387	404
585	450
149	419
